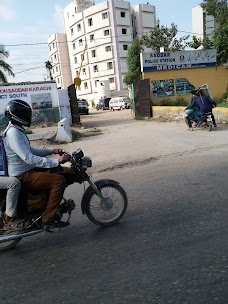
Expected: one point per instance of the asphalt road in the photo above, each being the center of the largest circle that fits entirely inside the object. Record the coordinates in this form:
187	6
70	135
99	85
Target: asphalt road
171	246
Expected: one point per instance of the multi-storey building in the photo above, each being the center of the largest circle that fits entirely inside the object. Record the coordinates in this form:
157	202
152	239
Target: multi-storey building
59	58
202	24
98	37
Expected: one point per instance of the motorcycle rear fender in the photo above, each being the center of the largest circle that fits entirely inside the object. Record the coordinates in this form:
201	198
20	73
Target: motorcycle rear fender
89	191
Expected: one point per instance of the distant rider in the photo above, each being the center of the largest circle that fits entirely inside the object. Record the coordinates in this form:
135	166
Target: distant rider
203	104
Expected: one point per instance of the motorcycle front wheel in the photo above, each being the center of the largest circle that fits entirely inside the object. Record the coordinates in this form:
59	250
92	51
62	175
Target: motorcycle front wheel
109	211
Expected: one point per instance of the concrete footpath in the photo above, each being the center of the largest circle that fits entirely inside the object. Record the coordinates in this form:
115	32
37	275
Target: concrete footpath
127	142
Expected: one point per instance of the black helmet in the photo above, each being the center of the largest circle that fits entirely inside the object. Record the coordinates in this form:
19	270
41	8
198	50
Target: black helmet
19	111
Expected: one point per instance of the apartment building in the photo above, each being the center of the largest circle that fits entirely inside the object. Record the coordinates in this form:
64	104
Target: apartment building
202	24
98	37
59	58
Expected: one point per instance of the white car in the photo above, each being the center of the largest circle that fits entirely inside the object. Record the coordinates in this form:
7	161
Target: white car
82	106
119	103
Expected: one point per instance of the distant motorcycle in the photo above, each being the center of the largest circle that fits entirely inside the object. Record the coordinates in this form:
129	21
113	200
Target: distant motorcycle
206	118
104	202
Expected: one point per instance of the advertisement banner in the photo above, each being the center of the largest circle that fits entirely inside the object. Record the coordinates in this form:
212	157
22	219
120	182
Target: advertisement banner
38	95
156	61
41	96
162	88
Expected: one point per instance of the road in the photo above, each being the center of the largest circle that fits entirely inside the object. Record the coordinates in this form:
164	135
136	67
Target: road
171	246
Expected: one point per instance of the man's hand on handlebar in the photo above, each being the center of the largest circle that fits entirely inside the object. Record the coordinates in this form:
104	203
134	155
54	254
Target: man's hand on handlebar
58	151
64	155
64	158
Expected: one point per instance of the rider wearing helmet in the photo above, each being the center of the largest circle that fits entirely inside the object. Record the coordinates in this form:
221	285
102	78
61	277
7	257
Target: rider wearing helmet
24	161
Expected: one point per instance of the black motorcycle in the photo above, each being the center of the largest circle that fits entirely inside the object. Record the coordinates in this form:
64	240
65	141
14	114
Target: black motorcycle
207	118
104	202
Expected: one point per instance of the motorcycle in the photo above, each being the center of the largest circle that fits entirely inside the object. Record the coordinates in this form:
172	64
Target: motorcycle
104	202
206	118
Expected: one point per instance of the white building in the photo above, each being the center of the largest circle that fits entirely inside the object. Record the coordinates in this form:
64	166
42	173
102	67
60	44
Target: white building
202	24
104	31
59	58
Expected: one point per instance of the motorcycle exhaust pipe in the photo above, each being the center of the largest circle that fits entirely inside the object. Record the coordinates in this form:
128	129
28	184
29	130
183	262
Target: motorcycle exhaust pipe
12	237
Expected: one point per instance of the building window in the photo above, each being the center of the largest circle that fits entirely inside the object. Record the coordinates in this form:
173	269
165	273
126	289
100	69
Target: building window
72	31
84	71
124	31
73	45
111	80
125	47
79	27
106	33
75	60
50	48
55	57
109	66
56	69
85	85
90	22
93	53
53	45
91	38
77	73
122	14
75	10
95	68
58	80
104	15
108	48
80	42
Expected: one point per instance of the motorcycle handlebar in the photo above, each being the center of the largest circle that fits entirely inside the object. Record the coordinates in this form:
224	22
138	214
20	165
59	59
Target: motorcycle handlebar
62	152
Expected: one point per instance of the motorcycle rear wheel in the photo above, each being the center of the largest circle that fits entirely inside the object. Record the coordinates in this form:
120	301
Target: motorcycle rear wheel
107	214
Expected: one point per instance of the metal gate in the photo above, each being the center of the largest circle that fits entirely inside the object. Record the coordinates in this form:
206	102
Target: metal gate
142	100
74	105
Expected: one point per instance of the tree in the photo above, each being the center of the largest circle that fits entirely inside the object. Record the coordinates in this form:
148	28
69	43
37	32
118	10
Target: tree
195	43
133	63
219	10
4	67
163	36
206	43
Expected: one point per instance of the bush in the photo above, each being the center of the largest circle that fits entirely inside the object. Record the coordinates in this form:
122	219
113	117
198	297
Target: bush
180	101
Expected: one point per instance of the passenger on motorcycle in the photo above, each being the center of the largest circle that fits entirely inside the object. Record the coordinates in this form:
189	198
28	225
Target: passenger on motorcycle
25	162
13	186
202	104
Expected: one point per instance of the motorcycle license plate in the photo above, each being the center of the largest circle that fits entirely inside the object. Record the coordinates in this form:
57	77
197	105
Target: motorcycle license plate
209	118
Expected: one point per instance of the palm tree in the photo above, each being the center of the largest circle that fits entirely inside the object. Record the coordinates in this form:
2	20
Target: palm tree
4	67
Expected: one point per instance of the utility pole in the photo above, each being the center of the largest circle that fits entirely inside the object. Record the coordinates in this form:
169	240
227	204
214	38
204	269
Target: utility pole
48	66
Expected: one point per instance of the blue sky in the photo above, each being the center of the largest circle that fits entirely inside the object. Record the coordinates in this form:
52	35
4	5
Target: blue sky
31	22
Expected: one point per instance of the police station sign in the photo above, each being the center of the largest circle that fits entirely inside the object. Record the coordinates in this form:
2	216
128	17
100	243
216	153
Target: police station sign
156	61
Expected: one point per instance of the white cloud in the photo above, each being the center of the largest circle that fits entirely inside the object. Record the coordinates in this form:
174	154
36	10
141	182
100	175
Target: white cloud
58	17
6	12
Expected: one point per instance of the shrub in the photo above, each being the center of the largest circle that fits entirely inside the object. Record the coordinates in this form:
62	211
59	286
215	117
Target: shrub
180	101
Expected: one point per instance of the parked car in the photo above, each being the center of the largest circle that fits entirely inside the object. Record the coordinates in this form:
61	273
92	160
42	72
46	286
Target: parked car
82	106
119	103
103	104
